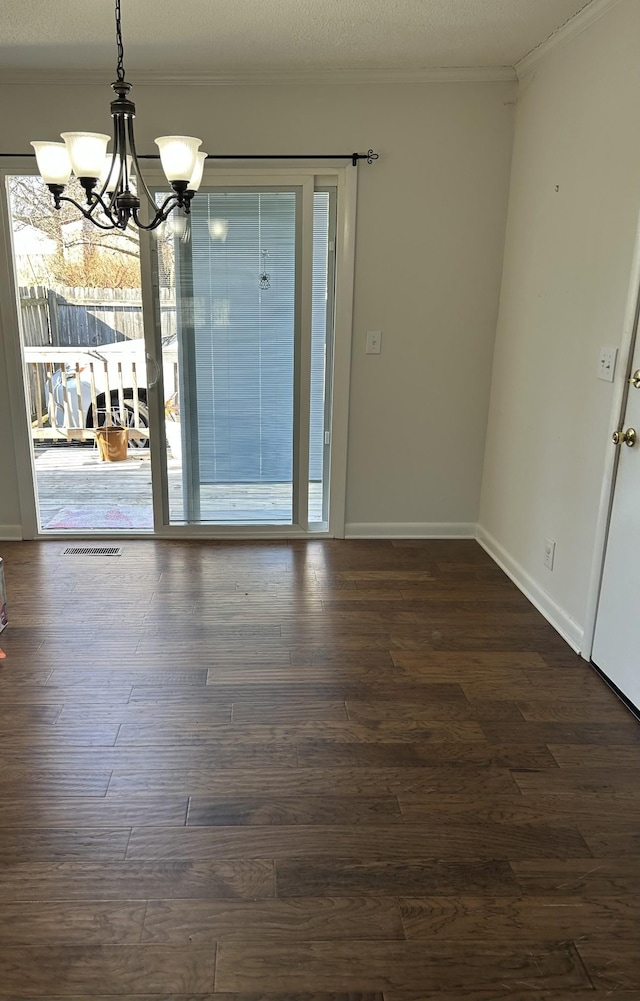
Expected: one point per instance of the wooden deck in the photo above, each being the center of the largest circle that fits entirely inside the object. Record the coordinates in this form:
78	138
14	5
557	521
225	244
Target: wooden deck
77	490
325	771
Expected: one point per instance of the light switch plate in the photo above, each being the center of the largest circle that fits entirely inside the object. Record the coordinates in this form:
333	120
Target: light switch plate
607	363
549	552
374	342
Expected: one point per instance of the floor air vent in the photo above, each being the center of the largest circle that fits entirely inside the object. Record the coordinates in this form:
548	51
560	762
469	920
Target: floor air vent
93	551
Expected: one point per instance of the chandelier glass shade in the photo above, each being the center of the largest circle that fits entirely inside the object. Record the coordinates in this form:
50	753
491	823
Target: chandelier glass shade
113	184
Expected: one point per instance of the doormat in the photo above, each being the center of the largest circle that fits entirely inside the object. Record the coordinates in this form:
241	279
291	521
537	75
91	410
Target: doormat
118	516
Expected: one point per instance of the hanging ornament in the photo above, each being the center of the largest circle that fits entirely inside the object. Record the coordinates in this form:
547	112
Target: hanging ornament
264	279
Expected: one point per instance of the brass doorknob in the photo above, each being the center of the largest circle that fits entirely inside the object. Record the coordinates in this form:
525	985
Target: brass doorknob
635	379
629	437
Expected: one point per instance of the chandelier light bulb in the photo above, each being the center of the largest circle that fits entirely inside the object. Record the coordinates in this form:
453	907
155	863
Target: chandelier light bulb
196	177
111	171
178	156
53	162
87	151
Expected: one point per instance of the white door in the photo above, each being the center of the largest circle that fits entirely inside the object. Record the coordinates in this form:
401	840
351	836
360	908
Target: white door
616	649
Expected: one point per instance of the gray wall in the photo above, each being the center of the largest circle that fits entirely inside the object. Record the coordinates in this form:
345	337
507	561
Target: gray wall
431	221
573	217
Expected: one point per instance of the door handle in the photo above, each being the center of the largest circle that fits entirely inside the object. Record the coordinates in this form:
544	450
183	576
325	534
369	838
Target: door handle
635	379
156	367
629	437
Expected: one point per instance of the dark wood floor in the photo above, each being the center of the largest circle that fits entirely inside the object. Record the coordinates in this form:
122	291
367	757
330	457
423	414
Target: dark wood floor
324	771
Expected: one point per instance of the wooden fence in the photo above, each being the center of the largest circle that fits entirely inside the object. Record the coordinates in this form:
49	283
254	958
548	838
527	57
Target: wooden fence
80	317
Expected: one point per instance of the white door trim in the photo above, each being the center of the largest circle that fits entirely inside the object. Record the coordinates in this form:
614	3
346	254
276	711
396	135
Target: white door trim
345	275
618	407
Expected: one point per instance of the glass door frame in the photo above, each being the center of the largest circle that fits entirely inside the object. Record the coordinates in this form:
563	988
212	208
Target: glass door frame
345	180
307	180
15	368
10	328
332	191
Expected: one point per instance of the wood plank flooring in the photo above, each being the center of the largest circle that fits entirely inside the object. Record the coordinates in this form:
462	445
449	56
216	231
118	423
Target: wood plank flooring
307	771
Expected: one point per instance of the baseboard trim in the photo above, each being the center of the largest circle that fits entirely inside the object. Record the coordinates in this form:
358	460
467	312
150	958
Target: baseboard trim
553	613
410	530
10	533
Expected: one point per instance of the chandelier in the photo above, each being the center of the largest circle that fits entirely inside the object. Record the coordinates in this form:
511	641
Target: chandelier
112	193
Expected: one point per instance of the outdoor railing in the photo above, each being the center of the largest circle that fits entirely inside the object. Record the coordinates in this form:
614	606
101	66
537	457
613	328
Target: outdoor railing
72	393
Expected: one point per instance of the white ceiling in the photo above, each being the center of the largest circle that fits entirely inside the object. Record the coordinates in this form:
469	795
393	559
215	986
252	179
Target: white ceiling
275	36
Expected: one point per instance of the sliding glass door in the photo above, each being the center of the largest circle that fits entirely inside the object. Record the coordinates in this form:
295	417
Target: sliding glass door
229	389
244	313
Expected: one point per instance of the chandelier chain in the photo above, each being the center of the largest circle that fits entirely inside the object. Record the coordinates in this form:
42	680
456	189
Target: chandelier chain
119	43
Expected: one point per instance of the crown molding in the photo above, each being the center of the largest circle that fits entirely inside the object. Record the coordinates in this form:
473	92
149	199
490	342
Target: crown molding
437	74
588	15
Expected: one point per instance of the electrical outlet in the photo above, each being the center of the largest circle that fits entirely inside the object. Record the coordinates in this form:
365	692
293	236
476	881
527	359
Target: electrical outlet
607	364
549	553
374	342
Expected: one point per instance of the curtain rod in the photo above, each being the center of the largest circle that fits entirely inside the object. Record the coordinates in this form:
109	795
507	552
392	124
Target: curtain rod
369	156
